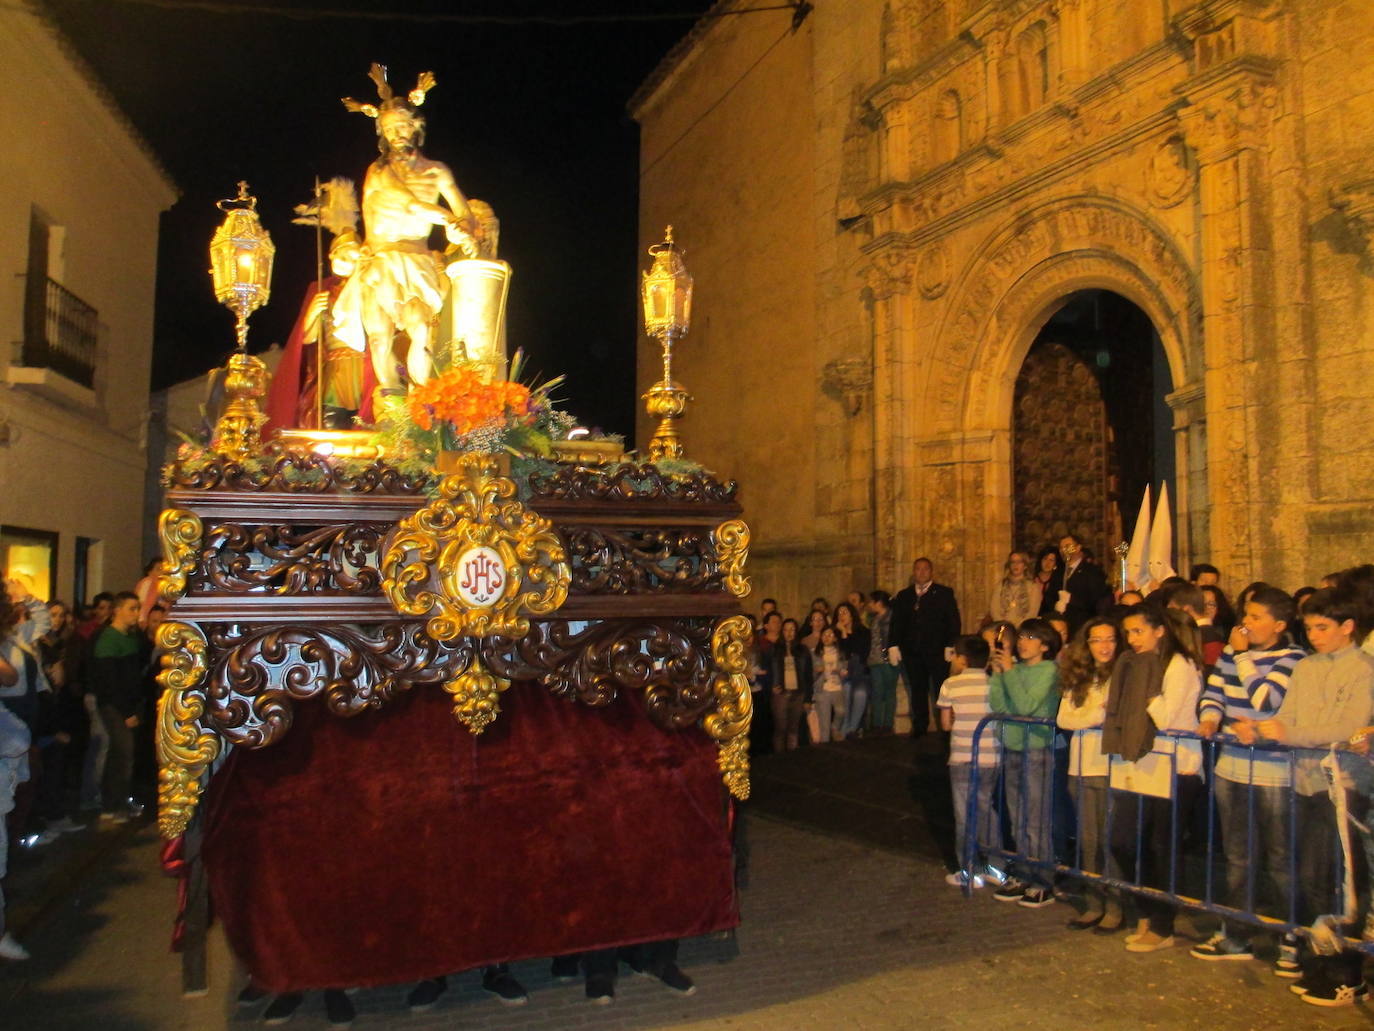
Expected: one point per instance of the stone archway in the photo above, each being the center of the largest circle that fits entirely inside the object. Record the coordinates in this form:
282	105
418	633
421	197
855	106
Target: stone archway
1004	295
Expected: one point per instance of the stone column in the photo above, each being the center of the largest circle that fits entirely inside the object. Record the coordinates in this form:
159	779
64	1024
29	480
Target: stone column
1073	44
888	298
1192	536
1225	122
994	56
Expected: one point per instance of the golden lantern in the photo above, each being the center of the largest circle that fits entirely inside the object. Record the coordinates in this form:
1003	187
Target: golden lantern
667	296
241	260
667	290
241	267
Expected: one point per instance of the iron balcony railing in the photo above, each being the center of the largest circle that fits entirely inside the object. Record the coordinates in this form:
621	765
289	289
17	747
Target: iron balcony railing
60	332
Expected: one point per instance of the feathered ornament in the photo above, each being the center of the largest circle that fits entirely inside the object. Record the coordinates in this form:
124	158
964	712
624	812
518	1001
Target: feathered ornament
389	101
336	209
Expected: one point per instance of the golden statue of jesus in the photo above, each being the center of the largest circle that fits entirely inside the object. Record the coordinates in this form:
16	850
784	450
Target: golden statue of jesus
399	283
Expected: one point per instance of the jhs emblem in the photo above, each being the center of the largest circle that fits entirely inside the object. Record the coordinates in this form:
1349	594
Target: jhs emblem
481	577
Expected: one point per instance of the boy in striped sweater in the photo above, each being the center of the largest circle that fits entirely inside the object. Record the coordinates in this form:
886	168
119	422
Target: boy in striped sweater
963	702
1247	687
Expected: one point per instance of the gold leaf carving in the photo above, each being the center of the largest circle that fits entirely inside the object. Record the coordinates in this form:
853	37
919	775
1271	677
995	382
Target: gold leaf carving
181	532
185	749
425	562
475	696
731	539
729	724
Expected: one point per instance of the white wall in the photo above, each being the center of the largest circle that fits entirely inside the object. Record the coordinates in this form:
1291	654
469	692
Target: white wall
71	468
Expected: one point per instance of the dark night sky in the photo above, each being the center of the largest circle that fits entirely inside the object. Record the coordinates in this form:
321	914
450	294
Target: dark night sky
530	117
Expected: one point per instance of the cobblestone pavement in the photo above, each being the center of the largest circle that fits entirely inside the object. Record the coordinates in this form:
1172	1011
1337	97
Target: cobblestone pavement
836	933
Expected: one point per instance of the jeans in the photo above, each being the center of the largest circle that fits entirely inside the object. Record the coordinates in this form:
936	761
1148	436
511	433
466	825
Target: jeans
960	776
829	706
855	702
1090	802
1318	854
882	695
1263	848
1062	806
119	764
787	715
51	789
97	750
1090	799
1159	861
1029	777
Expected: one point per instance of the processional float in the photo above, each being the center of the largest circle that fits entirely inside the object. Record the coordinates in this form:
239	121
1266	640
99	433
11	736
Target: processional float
568	785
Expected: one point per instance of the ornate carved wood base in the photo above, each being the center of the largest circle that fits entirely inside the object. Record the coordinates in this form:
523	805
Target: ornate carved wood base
281	595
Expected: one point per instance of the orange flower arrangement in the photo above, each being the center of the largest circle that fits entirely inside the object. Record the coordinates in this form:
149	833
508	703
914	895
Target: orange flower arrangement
459	398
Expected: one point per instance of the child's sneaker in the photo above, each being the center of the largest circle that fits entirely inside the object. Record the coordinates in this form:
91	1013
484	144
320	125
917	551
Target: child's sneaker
1287	964
1312	979
1036	898
1011	890
1335	993
12	950
960	878
1220	947
994	876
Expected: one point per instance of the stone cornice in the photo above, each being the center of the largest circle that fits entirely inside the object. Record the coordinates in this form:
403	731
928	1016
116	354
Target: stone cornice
905	83
1229	108
1158	123
1211	15
1227	75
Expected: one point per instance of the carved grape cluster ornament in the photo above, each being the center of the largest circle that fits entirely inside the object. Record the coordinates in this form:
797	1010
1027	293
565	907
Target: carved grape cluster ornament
478	564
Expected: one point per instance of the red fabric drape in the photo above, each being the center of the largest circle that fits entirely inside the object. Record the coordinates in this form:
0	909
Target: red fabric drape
396	846
173	859
284	394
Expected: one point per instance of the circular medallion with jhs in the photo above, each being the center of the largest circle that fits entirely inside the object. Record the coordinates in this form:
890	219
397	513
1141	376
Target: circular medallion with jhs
481	577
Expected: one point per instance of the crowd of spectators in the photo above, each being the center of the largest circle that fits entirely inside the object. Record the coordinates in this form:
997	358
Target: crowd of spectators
1182	710
77	695
1160	712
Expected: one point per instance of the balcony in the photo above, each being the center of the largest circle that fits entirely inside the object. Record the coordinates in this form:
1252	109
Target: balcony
60	332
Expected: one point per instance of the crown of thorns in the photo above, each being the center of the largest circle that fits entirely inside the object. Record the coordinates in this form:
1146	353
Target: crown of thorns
391	102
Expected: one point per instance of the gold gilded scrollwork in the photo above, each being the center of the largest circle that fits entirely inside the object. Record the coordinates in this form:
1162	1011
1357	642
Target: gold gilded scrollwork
729	724
731	539
181	533
475	523
184	749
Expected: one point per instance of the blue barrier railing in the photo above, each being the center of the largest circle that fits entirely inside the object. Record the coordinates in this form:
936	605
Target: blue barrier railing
1287	920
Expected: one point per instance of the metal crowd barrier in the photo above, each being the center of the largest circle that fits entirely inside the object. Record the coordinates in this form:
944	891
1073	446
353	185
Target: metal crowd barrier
1213	879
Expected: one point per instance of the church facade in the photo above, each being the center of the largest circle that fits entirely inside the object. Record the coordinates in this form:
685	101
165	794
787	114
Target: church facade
888	206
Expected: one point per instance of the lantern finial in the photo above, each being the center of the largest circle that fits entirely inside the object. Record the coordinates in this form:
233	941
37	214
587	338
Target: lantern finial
241	260
667	295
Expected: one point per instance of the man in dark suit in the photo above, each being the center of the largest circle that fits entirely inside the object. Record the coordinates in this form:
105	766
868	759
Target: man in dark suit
925	621
1078	588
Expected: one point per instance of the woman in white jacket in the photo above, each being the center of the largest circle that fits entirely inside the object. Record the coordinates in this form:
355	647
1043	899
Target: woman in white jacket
1160	680
1085	675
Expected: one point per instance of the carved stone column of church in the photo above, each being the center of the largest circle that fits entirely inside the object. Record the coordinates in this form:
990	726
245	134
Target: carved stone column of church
994	58
1225	122
895	158
887	294
1073	42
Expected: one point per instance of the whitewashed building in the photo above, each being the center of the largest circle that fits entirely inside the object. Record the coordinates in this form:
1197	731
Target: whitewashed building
80	197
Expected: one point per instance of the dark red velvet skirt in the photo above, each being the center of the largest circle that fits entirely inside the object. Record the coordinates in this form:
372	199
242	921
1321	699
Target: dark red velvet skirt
396	846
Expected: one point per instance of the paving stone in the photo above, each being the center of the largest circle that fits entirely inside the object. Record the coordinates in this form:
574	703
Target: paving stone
838	932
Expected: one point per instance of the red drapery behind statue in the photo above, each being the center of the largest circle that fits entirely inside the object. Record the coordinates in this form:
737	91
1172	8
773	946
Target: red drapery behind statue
396	846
